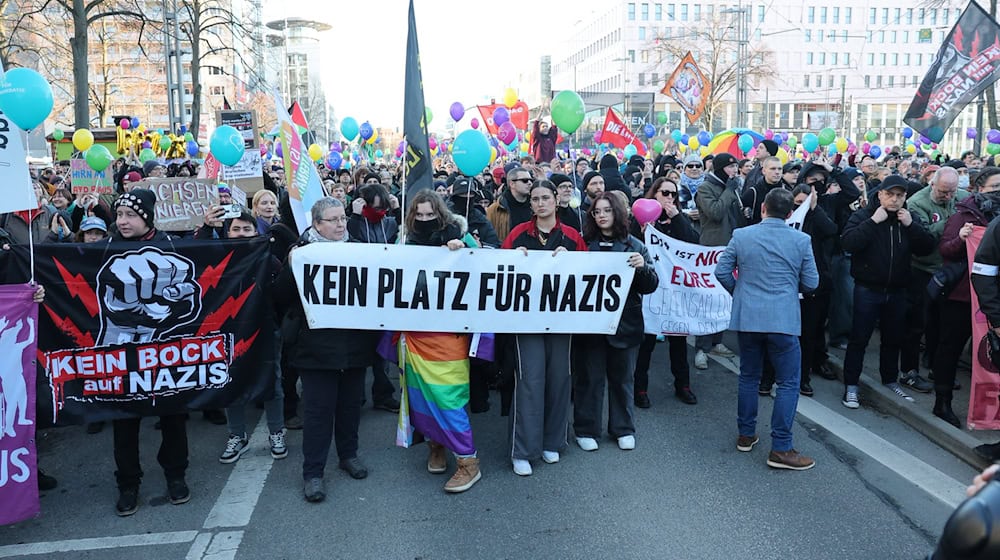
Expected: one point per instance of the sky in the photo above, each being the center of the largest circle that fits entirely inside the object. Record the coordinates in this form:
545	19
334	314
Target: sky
469	49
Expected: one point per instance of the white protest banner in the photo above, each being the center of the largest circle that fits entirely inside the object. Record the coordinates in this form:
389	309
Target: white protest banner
86	180
181	202
689	299
410	288
799	215
16	191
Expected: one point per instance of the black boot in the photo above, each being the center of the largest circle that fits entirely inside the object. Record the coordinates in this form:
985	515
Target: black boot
942	409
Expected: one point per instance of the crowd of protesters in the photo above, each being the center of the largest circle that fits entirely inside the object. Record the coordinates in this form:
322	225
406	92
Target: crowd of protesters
877	233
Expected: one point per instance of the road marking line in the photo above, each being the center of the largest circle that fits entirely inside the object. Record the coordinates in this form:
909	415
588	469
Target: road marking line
223	546
98	543
937	484
236	503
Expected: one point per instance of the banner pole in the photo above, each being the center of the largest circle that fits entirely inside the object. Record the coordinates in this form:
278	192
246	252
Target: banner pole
402	194
31	248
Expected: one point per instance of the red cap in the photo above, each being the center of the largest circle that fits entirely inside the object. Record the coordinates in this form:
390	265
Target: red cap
498	174
132	176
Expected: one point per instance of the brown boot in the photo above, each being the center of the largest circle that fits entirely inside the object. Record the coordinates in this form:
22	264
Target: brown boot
437	462
465	475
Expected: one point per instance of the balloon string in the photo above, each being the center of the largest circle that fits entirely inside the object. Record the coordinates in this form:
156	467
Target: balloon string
31	248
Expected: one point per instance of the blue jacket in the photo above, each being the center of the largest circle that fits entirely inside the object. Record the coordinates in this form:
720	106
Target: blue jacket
775	262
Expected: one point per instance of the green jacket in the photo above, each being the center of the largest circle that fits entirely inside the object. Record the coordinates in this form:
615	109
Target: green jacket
934	216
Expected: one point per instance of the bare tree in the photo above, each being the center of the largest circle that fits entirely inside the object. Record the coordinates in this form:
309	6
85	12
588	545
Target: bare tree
21	36
713	43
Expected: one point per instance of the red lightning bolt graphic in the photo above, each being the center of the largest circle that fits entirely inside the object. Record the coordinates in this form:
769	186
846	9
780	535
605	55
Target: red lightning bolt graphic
80	338
958	38
79	288
228	310
242	346
974	49
210	277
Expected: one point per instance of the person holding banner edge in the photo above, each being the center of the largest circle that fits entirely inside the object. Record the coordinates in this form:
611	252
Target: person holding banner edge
611	359
540	410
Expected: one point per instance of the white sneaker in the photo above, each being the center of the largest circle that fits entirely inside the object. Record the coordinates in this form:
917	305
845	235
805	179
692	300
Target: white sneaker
895	388
700	360
236	446
587	443
277	443
550	456
850	399
721	350
521	467
626	443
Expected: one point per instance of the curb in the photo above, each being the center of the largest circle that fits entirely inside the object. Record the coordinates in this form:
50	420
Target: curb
948	437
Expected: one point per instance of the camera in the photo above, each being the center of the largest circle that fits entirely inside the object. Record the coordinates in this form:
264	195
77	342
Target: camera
231	211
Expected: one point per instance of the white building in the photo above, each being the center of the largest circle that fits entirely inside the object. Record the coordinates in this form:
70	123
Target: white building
859	59
294	61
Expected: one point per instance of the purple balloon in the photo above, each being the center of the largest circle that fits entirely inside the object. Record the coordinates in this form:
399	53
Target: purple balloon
993	136
336	147
501	116
971	133
277	149
457	111
147	144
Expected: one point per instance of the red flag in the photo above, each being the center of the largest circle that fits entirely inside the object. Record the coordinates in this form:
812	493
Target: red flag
298	117
618	135
518	115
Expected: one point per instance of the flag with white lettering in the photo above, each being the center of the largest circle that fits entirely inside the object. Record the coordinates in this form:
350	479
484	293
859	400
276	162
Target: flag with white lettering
966	64
129	329
18	473
616	133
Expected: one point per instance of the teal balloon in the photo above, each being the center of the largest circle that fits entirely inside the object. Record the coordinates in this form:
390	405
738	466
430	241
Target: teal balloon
378	153
745	142
25	97
676	135
349	128
226	145
810	142
147	154
98	157
471	152
629	151
568	111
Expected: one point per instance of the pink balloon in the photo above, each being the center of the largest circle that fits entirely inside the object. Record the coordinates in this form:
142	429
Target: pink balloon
646	210
586	151
865	147
506	133
852	149
432	143
474	123
124	123
769	134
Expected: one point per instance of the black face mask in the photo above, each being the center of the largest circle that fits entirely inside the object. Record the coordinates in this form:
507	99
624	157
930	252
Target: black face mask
426	227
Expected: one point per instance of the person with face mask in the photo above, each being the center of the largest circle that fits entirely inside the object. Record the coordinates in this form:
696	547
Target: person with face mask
465	201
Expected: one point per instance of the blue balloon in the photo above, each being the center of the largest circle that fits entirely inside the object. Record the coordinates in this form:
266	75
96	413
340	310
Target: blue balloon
135	122
349	128
334	160
366	130
192	148
874	151
684	139
650	130
25	97
810	142
704	137
226	145
907	132
184	129
676	135
471	152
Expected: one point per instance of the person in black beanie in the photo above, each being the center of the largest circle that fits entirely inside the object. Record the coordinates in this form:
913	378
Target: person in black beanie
593	185
764	150
566	192
613	180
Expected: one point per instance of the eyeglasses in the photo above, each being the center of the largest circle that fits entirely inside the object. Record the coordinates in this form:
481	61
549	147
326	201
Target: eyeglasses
602	211
693	166
336	220
672	194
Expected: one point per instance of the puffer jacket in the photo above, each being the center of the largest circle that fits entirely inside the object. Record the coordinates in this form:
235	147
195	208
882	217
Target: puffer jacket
630	327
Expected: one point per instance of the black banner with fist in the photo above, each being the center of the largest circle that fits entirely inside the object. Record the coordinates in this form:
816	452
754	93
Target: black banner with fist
130	329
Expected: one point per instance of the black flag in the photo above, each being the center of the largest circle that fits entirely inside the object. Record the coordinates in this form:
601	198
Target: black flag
418	152
966	64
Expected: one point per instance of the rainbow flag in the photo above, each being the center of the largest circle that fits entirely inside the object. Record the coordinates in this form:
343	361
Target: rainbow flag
435	390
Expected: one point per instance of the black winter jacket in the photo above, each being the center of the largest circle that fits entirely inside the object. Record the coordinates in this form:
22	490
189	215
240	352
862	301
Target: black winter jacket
630	328
880	253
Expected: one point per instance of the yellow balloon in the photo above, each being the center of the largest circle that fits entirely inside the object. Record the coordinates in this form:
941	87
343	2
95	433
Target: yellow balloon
373	137
704	151
83	139
527	136
315	152
841	144
493	154
783	156
142	128
510	98
525	147
693	143
911	149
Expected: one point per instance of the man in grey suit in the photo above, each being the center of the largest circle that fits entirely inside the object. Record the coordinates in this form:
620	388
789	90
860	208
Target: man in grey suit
775	262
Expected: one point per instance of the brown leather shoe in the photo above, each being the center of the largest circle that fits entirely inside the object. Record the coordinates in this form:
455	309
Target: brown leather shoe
465	475
746	443
789	460
437	462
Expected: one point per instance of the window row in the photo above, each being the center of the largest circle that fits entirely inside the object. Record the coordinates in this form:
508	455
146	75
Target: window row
924	16
690	12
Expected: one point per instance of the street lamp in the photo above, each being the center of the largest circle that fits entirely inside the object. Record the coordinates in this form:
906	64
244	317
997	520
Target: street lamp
742	30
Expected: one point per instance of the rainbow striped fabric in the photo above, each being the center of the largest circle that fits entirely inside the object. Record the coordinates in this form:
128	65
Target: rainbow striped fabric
435	389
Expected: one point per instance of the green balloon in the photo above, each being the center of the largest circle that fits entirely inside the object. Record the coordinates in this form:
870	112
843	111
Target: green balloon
428	115
658	146
58	135
993	149
661	118
870	136
98	157
188	137
165	143
568	111
793	141
146	154
935	154
827	136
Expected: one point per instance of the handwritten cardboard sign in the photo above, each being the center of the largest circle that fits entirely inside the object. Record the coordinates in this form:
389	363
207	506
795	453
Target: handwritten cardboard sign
181	202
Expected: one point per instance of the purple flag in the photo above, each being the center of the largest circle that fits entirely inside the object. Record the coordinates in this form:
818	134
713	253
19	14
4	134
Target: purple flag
18	470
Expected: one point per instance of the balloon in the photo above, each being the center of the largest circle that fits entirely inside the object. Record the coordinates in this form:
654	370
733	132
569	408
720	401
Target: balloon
874	151
135	122
693	142
349	128
782	156
769	134
432	143
146	154
98	158
525	147
911	149
509	98
649	130
971	133
870	136
25	97
192	148
993	136
226	145
865	147
684	139
793	141
841	144
334	159
471	152
506	133
646	210
336	146
125	124
378	153
165	143
366	130
827	136
587	152
630	151
147	144
493	154
810	142
58	135
676	135
704	137
374	137
501	116
658	146
83	139
907	132
661	118
188	137
315	152
474	123
568	111
745	142
428	115
184	129
457	111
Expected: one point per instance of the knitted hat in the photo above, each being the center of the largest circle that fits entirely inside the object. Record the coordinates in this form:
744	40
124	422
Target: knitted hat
722	161
93	222
771	146
149	166
141	201
692	158
637	161
590	175
224	189
609	161
558	179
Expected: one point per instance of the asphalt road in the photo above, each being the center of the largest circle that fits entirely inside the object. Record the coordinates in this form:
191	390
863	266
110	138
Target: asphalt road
683	493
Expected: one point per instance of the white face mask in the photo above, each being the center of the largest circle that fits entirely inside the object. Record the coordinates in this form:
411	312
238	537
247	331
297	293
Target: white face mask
963	182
